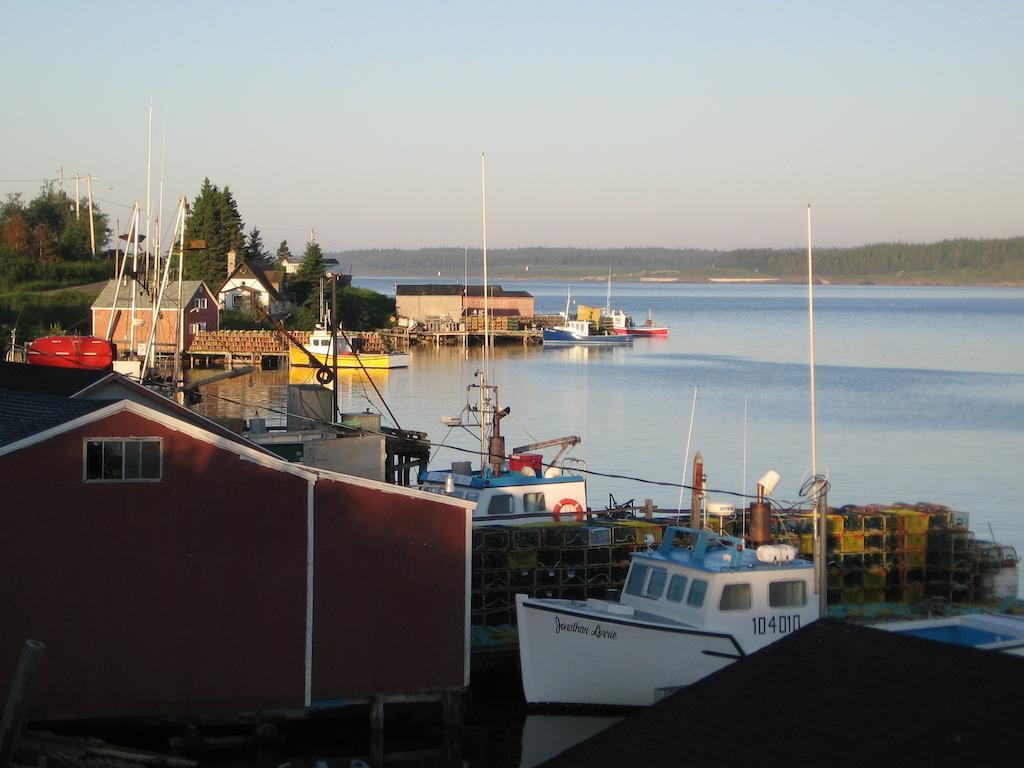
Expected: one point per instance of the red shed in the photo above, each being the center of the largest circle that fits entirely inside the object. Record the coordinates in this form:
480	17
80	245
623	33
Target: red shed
171	570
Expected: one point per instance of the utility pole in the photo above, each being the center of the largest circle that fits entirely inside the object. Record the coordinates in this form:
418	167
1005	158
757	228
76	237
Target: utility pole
92	223
78	198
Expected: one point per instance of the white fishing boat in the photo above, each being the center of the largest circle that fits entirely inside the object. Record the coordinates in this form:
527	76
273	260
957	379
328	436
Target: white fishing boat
689	608
697	603
517	489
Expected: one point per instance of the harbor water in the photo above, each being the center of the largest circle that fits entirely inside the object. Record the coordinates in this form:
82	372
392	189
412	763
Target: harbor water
920	394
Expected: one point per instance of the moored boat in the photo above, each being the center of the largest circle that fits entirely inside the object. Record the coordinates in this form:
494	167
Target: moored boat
88	352
685	612
320	349
574	332
517	489
623	324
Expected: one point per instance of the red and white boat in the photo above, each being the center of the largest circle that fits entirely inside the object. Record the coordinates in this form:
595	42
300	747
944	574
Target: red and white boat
623	324
72	352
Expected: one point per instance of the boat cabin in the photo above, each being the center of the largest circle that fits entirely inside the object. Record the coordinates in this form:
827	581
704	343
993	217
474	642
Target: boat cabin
320	343
703	579
516	496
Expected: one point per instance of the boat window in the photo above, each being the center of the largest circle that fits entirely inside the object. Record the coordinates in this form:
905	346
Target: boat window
735	597
472	496
123	460
677	588
637	577
787	594
501	504
656	583
533	502
697	591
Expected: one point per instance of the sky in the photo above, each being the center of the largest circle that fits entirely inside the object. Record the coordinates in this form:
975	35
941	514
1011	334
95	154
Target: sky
604	124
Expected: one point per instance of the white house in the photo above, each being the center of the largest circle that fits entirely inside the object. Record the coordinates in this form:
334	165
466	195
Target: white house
250	283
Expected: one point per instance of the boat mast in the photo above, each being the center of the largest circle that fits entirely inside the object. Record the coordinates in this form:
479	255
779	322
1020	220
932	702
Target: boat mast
149	185
483	415
487	318
179	331
818	487
150	359
608	299
133	222
686	461
132	351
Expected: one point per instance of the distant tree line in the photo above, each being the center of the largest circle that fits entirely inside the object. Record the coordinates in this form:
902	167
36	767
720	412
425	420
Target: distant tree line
965	260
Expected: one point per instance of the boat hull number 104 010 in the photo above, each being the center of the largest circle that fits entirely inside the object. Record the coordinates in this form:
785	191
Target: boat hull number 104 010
776	625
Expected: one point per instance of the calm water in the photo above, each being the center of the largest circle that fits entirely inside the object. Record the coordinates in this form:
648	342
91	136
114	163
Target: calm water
920	394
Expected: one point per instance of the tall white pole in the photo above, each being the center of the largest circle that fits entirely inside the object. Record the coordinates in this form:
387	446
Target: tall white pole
78	199
134	287
179	362
92	224
818	487
686	461
810	332
160	210
149	175
743	485
487	314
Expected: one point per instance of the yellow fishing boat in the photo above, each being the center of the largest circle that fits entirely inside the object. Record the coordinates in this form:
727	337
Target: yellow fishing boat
319	346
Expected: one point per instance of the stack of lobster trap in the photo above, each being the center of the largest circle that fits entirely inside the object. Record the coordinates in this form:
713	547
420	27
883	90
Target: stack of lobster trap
905	554
561	560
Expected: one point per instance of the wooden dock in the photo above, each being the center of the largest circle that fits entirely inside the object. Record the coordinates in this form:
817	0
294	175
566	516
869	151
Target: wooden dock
268	349
470	330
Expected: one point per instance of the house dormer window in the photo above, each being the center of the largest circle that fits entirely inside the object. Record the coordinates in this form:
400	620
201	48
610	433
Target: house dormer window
129	459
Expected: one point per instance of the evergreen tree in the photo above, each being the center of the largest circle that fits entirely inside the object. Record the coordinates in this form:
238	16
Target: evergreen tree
215	220
283	254
254	249
307	278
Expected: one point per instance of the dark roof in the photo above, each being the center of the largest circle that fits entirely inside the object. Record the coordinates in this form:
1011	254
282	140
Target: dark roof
83	384
62	382
26	413
456	290
832	694
189	288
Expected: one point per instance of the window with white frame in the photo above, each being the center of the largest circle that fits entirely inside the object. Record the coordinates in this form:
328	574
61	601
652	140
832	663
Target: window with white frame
200	302
197	327
128	459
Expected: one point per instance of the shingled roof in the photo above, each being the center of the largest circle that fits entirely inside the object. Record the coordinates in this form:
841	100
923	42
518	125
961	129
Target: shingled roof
28	413
832	694
47	380
105	300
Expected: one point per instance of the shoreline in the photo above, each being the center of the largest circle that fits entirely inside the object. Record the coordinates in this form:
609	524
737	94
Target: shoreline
706	280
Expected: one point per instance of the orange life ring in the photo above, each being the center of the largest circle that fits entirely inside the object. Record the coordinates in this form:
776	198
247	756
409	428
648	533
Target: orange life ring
571	506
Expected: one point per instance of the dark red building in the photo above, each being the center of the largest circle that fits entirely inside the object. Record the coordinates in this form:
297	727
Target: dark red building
173	569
